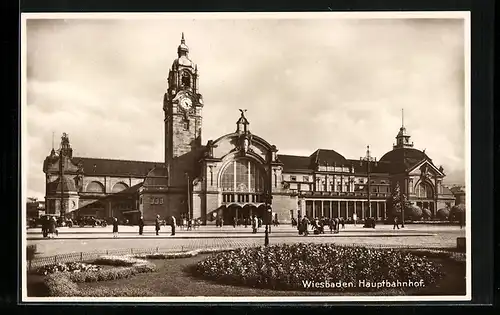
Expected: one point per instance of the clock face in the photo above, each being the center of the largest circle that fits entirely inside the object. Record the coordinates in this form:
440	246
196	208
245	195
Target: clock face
185	103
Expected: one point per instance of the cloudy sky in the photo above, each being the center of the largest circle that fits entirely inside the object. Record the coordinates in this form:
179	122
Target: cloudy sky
307	83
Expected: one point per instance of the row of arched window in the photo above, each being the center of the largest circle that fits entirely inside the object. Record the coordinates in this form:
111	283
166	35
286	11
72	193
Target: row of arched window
97	187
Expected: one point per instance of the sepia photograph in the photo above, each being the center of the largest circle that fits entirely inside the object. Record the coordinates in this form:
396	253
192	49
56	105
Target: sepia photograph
245	157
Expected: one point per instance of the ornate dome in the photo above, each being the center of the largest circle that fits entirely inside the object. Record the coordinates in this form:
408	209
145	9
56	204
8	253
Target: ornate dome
408	155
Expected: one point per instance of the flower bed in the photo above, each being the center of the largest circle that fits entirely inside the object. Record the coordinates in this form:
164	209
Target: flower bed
286	267
67	267
65	283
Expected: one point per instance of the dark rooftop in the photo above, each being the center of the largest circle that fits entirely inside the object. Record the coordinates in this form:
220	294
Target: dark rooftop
115	167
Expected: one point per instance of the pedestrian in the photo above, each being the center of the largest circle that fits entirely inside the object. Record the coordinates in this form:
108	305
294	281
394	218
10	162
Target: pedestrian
396	224
461	220
234	222
255	224
245	221
141	225
331	223
259	221
157	224
52	227
45	226
337	225
172	224
342	221
354	218
305	226
115	227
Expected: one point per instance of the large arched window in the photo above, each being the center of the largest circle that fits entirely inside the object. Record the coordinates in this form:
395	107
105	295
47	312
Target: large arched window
242	175
424	190
95	187
119	187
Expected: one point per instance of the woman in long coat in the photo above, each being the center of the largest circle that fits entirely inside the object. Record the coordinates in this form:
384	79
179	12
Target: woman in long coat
115	227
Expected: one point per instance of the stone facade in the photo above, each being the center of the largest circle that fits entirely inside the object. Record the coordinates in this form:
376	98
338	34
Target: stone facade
237	175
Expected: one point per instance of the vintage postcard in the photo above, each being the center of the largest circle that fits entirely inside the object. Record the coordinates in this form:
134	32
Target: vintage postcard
246	157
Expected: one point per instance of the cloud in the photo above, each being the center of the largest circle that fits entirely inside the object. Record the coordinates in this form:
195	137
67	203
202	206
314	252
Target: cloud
306	83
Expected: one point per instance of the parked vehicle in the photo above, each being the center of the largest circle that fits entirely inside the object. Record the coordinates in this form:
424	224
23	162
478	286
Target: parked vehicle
37	222
90	221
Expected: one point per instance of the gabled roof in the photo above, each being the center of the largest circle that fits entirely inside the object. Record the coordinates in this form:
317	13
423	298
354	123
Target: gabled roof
114	167
330	157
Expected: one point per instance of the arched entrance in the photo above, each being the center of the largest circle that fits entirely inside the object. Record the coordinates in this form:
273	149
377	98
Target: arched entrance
242	182
247	211
424	192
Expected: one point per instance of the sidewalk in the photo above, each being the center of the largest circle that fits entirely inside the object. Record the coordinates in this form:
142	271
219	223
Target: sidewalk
130	232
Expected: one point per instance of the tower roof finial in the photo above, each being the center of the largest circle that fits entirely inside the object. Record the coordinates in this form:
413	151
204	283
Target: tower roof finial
242	122
183	48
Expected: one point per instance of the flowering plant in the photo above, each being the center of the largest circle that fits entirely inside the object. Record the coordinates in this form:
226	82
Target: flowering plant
287	266
67	267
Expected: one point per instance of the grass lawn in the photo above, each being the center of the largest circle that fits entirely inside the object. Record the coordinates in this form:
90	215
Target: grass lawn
173	279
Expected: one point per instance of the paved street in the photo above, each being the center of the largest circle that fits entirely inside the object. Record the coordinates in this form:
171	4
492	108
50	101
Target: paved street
71	240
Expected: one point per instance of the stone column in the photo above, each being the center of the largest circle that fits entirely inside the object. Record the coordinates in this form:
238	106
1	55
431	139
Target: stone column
338	209
378	213
362	210
322	208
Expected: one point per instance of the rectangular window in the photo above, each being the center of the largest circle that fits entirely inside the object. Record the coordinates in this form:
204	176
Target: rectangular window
306	178
152	201
293	178
161	201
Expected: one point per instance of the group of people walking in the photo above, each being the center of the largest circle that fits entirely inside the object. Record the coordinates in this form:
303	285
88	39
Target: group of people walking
318	225
49	227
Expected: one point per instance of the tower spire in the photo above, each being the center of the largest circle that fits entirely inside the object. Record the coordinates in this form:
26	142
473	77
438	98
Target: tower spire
182	38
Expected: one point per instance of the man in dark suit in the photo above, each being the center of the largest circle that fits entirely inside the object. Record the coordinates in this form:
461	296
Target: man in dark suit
172	224
157	224
141	225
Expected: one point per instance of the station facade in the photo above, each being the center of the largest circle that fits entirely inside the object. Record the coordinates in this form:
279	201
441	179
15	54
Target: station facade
237	175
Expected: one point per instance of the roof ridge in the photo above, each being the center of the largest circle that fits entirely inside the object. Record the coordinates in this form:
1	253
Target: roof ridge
302	156
108	159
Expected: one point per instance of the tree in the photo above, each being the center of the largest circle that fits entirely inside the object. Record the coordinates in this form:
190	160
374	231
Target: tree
456	212
426	214
414	212
443	214
395	201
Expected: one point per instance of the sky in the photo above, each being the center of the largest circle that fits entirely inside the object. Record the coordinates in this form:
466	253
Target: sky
306	83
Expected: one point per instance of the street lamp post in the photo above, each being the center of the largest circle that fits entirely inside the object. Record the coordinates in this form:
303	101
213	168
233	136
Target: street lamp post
268	201
188	197
403	205
61	181
368	159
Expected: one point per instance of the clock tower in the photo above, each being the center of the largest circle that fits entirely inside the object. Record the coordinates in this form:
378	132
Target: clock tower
182	105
